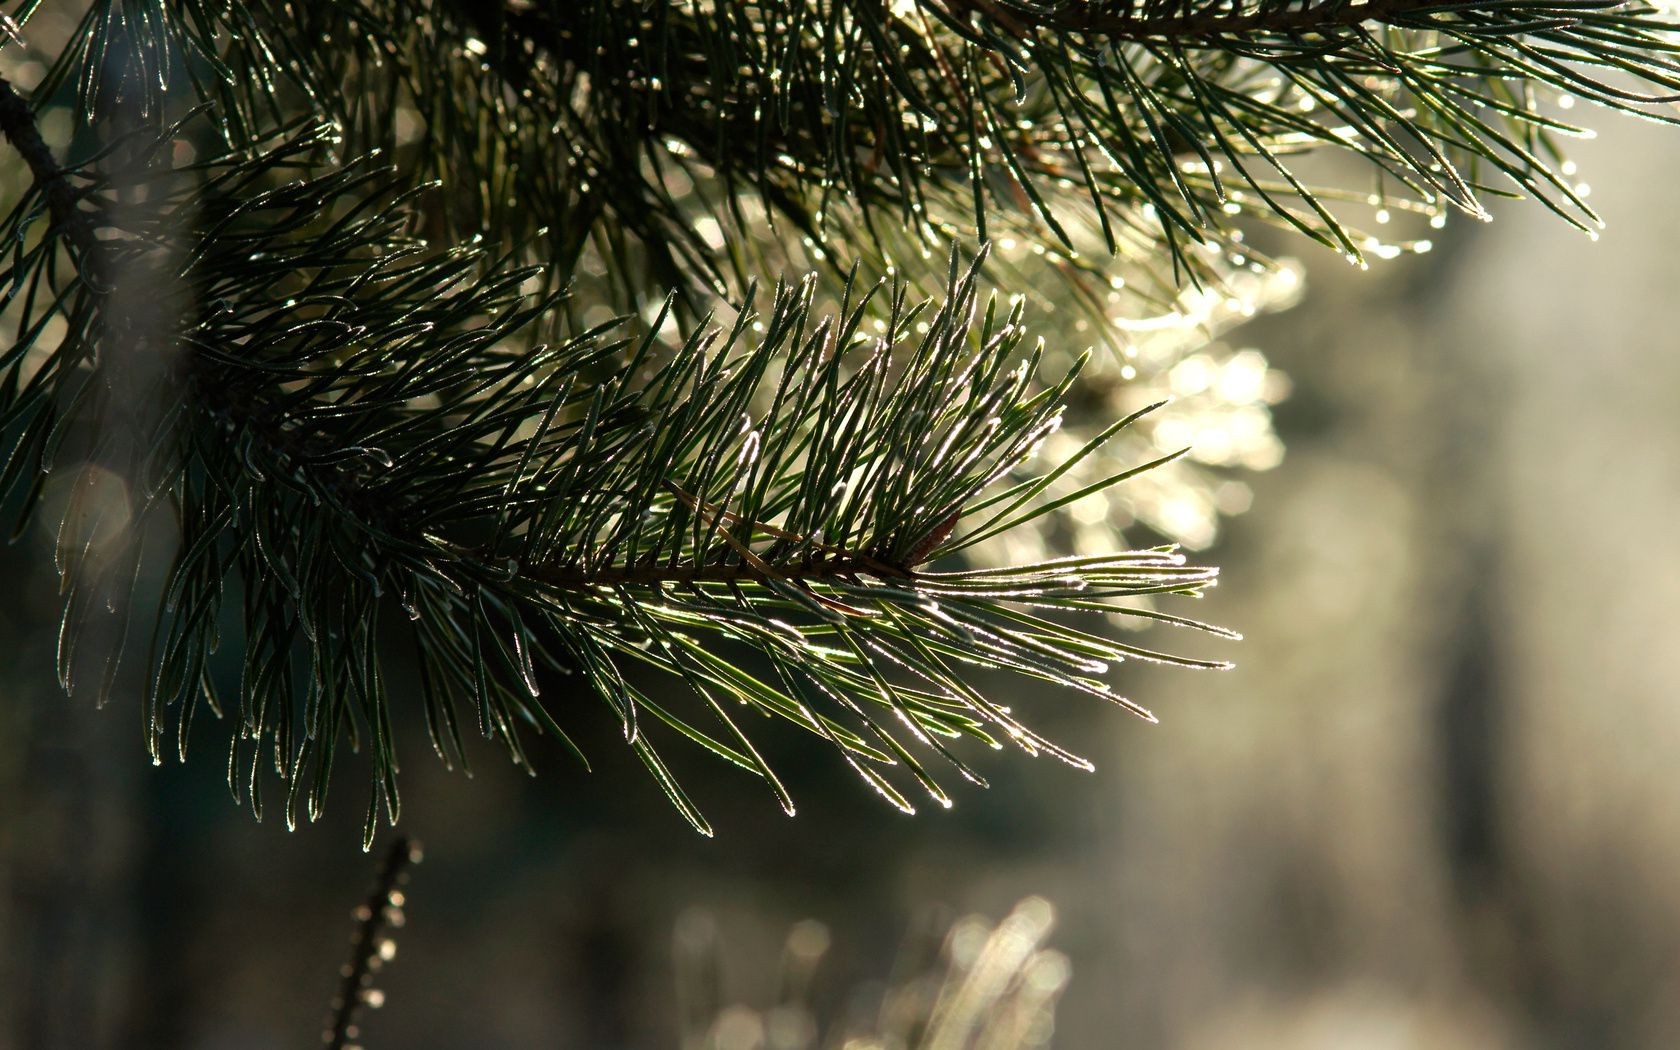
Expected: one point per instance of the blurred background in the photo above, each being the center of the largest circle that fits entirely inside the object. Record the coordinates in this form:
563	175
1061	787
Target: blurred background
1436	804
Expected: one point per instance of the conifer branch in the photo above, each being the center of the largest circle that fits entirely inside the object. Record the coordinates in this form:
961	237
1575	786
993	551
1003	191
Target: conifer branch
358	420
17	124
1185	24
1170	116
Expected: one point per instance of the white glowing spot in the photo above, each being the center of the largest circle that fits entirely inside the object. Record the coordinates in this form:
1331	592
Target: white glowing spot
1091	509
1160	322
1233	497
1243	379
1190	376
1174	434
709	231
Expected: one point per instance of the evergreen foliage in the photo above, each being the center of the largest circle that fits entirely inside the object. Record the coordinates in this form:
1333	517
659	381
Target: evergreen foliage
355	341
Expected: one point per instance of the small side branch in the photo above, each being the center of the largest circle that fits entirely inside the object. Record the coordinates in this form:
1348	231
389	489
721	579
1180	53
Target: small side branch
17	123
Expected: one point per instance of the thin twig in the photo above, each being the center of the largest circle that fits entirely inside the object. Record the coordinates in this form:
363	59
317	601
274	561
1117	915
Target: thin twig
17	123
814	570
383	908
1327	16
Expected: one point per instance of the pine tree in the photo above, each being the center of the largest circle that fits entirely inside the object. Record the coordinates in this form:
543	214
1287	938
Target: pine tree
647	350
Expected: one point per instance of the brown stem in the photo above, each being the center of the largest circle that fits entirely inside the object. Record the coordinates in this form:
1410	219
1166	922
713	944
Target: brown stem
1324	17
17	123
372	918
573	578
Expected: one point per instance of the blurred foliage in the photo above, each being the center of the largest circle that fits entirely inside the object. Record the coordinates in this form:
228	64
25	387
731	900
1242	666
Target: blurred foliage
979	987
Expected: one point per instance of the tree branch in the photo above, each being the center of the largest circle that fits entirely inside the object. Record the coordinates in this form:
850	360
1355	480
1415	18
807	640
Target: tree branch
383	907
1324	17
808	570
297	454
17	123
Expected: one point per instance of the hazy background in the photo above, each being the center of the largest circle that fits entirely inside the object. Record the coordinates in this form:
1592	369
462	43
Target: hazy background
1436	805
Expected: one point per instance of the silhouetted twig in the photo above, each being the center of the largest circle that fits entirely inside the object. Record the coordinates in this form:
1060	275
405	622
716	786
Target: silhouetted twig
383	908
17	124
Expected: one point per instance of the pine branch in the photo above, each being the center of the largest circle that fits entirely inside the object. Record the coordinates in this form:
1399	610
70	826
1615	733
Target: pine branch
17	124
877	132
1138	109
1185	23
358	420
